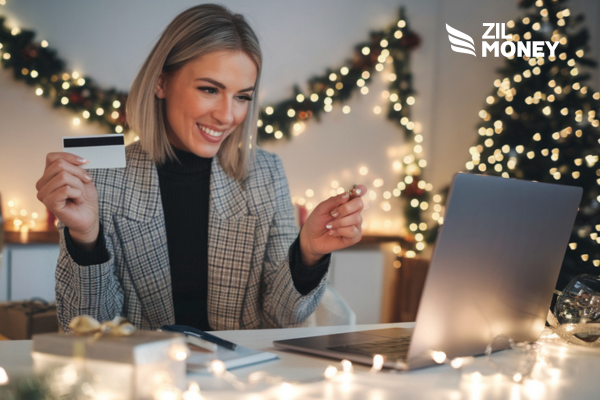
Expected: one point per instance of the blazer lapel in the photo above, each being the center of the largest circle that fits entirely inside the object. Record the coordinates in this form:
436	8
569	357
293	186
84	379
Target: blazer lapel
142	231
230	246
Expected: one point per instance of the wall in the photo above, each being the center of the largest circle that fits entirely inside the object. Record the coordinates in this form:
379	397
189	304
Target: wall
108	41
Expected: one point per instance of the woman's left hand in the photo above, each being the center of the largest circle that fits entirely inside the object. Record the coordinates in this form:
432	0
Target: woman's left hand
333	225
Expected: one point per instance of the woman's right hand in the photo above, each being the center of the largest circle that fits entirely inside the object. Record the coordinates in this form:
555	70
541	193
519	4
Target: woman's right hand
69	193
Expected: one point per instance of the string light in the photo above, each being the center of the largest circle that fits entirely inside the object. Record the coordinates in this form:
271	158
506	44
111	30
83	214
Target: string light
378	361
330	372
70	81
3	377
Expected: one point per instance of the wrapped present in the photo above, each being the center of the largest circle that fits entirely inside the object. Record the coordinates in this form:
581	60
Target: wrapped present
20	320
112	360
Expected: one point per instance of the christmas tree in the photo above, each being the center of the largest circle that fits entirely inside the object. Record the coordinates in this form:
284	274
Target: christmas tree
540	122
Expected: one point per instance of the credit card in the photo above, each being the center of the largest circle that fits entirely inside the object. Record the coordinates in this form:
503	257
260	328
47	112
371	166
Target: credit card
102	151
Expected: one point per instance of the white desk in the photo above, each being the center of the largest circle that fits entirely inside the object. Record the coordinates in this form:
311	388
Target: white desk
573	374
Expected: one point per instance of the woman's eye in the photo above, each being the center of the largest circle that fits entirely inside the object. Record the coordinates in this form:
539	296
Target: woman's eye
209	90
245	98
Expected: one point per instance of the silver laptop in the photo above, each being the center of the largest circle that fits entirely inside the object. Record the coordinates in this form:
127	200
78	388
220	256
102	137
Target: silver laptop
493	272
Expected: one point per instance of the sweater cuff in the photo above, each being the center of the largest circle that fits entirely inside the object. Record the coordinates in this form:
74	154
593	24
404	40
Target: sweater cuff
84	257
306	279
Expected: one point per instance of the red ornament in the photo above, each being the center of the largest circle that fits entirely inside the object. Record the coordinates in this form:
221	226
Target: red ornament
413	190
29	53
75	98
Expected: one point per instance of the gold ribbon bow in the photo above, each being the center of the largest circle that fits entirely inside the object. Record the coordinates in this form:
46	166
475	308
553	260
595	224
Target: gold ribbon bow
569	332
86	325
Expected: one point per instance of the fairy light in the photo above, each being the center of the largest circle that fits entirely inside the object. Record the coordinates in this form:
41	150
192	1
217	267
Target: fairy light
192	393
378	361
347	366
3	377
217	367
286	390
67	81
179	353
330	372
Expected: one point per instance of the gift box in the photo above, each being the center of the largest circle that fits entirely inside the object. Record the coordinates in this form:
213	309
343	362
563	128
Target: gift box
113	367
20	320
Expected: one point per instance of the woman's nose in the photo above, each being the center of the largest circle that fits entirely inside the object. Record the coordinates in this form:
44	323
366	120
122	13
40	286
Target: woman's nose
223	111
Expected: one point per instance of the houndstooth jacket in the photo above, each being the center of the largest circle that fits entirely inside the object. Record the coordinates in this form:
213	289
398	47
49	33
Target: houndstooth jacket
251	227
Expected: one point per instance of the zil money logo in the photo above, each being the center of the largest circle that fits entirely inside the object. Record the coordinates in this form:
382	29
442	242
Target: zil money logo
495	41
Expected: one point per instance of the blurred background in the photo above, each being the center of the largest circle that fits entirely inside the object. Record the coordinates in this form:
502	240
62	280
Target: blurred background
108	41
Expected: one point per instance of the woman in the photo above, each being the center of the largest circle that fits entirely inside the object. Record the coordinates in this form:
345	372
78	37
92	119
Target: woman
198	229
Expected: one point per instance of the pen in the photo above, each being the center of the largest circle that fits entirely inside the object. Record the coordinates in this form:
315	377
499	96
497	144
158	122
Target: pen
190	331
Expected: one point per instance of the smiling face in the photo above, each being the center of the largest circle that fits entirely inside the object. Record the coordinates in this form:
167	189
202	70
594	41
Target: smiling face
207	99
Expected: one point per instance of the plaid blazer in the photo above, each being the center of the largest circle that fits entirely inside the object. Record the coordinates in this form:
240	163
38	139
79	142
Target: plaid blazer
250	230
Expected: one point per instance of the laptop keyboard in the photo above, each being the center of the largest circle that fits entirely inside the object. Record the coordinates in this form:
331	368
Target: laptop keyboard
395	349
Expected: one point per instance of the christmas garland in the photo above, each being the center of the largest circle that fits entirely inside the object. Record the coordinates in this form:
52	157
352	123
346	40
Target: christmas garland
391	45
38	65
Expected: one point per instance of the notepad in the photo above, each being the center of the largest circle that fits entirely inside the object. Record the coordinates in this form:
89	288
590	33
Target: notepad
199	361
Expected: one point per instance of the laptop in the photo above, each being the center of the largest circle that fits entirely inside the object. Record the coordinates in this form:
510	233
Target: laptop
493	272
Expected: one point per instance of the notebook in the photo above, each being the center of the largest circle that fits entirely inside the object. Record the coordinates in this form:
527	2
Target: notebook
240	357
493	272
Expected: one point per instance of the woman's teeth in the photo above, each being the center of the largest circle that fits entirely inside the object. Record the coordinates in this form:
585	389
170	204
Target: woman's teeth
210	131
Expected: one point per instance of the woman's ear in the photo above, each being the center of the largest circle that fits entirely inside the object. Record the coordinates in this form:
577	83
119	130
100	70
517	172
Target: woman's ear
161	86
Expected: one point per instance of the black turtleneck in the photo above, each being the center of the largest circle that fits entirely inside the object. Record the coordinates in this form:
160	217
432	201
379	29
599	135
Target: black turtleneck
185	194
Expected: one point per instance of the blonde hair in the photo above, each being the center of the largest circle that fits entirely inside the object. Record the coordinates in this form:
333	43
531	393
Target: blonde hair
193	33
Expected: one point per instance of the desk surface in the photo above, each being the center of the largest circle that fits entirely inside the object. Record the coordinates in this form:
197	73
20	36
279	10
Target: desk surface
566	372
